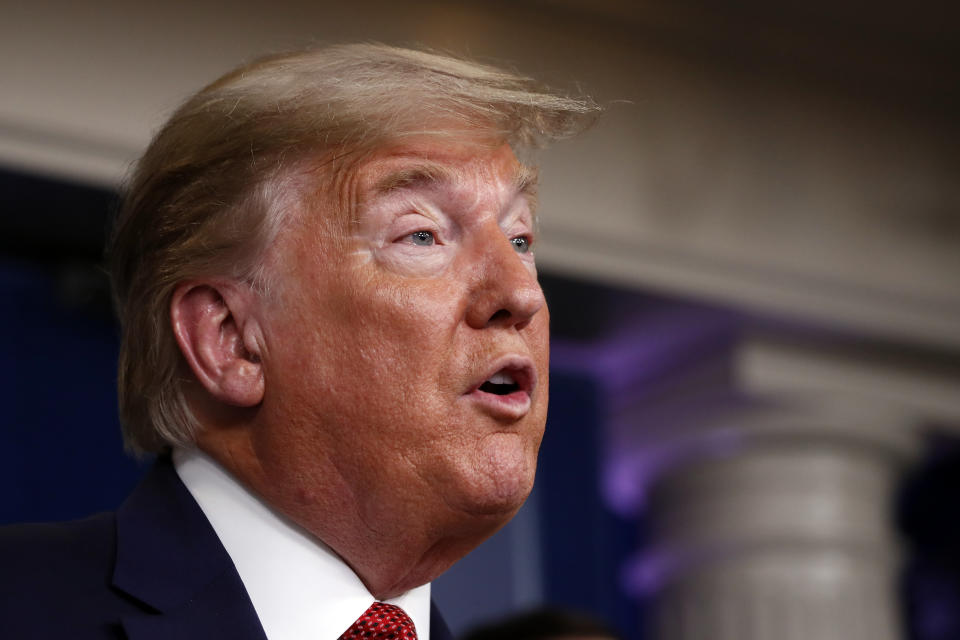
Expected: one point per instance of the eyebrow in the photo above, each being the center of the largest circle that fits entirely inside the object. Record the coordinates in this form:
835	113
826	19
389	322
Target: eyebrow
421	175
429	174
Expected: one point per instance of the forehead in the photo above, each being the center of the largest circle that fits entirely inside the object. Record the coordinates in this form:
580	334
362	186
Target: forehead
439	165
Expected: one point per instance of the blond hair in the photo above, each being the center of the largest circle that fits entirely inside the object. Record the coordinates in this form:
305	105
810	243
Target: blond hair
204	200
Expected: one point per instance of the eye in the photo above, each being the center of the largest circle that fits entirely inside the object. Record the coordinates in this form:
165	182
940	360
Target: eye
521	244
422	238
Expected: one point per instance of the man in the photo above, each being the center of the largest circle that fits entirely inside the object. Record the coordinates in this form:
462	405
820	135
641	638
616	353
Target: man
324	270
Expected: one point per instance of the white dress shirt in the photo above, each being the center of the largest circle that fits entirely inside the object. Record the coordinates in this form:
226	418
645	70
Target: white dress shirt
301	590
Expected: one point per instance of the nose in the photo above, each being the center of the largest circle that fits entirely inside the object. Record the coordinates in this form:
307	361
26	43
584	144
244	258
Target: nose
505	291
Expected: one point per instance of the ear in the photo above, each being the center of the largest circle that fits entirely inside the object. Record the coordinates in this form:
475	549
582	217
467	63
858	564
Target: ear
220	340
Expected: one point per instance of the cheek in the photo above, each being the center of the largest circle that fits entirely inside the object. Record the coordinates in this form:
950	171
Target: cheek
413	320
386	343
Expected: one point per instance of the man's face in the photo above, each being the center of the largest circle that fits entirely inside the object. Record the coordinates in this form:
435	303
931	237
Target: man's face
406	353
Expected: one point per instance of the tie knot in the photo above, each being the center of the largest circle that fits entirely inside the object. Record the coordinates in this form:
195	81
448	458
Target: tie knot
382	621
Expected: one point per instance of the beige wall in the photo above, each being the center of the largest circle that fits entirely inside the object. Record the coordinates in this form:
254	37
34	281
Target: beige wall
720	181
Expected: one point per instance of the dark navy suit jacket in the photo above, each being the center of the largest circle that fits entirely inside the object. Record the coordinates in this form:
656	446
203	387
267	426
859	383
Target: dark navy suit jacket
154	570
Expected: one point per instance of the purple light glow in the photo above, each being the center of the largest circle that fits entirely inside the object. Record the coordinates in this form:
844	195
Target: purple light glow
649	352
630	471
644	350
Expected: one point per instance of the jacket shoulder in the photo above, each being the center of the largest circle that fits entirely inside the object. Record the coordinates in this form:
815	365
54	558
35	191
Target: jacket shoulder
40	551
58	576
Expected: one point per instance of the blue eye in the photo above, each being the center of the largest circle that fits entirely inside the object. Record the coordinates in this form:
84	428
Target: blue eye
521	244
422	238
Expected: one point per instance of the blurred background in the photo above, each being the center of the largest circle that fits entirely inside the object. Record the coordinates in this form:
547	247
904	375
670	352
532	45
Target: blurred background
752	261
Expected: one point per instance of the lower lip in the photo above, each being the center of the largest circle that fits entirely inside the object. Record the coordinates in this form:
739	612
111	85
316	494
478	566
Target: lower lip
512	405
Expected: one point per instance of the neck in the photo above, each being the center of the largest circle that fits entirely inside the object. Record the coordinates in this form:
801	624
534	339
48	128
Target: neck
389	551
390	569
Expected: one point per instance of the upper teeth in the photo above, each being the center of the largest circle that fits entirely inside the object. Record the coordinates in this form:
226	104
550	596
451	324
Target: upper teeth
502	377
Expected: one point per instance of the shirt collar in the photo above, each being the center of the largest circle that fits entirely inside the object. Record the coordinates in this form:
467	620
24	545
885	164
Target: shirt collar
298	586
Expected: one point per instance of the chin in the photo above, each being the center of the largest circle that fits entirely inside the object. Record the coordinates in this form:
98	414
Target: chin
503	477
497	506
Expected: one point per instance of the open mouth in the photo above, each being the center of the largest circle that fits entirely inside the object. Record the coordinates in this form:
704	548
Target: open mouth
507	392
500	384
508	380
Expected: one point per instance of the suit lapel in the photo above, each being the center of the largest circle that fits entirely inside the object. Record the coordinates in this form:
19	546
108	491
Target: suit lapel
170	559
218	610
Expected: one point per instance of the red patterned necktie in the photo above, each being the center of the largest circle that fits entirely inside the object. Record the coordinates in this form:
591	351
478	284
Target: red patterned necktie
382	622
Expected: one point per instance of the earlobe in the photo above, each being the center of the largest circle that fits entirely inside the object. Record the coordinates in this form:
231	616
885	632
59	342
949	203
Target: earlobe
218	339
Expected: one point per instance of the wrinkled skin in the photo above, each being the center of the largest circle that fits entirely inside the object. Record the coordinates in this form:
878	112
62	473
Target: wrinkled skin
396	298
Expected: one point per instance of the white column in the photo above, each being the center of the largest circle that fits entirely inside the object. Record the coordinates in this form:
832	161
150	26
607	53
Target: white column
777	525
768	489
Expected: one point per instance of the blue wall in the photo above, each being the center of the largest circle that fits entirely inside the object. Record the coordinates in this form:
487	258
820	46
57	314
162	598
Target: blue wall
60	443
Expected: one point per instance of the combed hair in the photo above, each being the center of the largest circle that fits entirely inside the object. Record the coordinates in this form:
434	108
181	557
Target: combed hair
206	198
